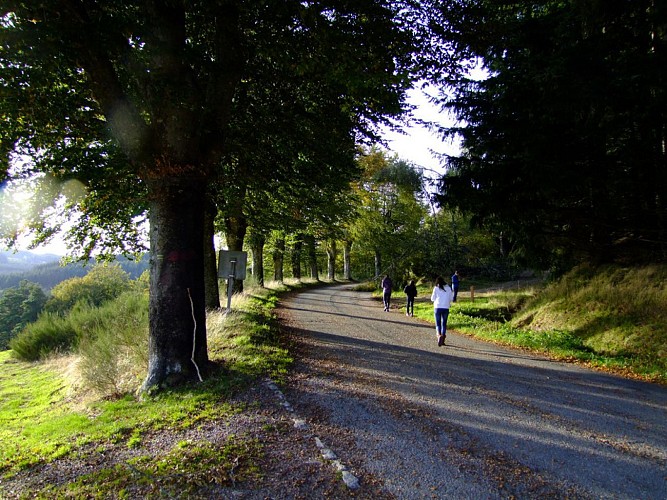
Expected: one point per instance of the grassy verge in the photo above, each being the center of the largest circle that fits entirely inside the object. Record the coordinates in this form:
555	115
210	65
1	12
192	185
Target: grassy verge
608	318
44	414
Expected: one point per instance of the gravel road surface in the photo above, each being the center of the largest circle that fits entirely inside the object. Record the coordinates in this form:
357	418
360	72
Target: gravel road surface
412	420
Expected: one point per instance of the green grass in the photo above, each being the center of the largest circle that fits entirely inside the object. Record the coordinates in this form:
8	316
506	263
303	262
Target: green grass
608	318
39	421
246	338
44	414
588	317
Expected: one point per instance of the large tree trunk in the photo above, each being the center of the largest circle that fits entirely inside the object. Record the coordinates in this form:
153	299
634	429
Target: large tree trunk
347	260
210	259
312	257
171	129
378	263
177	348
278	259
331	260
296	257
257	246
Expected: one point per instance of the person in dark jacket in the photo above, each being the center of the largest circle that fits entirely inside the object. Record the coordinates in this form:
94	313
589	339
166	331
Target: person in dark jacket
455	284
410	291
386	292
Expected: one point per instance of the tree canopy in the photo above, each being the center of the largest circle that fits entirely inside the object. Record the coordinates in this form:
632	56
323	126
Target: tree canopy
18	307
564	142
141	101
390	213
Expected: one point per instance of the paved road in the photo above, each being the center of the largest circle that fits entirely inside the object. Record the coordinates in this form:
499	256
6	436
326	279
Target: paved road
470	419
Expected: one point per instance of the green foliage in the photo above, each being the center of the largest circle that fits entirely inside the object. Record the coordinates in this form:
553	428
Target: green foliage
107	321
448	241
389	215
251	332
19	307
394	233
563	149
65	138
112	339
102	283
133	109
142	283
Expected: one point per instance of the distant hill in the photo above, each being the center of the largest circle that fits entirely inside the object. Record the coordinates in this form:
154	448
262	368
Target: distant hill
20	261
46	271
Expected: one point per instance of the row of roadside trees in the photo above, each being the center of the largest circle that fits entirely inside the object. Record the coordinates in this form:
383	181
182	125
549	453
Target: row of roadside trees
390	226
244	114
246	117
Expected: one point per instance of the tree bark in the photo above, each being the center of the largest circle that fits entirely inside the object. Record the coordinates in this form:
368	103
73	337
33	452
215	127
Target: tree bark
211	287
296	257
278	259
312	257
257	248
378	263
176	304
331	260
347	260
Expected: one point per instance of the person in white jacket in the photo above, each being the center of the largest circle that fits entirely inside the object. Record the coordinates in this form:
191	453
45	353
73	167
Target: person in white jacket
442	298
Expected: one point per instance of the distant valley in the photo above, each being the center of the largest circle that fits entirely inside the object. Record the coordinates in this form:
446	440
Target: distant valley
16	262
46	271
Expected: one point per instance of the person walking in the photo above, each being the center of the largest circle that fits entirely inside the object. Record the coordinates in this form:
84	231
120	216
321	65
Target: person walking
455	284
386	291
410	291
442	298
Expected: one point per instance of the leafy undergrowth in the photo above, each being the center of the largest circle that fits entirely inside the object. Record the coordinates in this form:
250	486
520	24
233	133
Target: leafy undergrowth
608	318
46	414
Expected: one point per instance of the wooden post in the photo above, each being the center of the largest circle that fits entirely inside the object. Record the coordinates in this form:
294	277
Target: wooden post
472	294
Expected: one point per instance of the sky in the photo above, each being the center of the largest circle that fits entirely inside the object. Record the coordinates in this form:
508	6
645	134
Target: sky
417	142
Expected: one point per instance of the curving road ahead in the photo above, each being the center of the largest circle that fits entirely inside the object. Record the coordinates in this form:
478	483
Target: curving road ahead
470	419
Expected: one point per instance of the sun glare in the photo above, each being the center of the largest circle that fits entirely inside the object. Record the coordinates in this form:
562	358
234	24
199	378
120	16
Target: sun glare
27	203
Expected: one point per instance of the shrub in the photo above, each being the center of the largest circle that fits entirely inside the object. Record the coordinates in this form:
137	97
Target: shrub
119	328
18	307
104	282
114	351
49	334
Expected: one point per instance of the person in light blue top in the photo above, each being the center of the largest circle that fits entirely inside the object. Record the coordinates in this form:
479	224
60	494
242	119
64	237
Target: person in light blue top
441	297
